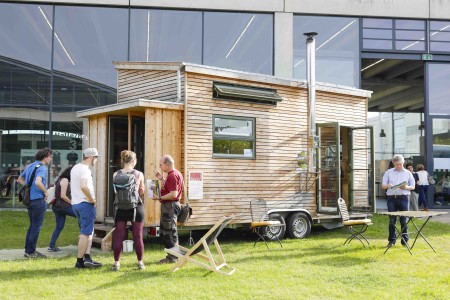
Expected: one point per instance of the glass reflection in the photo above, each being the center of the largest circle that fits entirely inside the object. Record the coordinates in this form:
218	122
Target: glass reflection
438	88
239	41
337	50
90	39
166	35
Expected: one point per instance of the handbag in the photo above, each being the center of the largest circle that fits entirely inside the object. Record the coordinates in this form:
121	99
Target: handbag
24	192
50	195
431	180
185	210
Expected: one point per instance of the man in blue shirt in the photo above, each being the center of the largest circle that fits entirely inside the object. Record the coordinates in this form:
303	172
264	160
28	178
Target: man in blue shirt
38	192
398	196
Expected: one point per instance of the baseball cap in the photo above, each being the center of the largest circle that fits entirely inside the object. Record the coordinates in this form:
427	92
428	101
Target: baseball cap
89	152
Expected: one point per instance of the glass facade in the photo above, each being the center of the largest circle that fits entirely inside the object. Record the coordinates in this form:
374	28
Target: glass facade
438	88
337	49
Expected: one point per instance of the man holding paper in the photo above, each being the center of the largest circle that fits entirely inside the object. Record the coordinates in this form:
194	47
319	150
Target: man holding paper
398	182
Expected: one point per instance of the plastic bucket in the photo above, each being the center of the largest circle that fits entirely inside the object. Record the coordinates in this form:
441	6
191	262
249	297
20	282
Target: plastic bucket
127	246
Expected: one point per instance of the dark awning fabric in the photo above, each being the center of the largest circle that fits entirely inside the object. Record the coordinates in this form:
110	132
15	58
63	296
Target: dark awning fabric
225	91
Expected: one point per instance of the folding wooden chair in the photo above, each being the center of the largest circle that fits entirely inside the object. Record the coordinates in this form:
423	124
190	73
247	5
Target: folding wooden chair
261	224
357	226
185	255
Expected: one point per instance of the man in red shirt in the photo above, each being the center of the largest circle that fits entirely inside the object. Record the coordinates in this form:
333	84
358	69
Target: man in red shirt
171	191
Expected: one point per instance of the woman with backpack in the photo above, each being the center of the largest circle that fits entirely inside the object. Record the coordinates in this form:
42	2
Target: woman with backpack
62	206
128	211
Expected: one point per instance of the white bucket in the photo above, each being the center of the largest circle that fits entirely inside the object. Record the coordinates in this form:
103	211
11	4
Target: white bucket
127	246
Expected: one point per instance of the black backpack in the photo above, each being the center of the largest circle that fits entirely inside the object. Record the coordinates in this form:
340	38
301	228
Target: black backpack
126	193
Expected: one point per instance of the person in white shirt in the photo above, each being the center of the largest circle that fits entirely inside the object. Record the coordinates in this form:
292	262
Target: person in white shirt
84	206
422	186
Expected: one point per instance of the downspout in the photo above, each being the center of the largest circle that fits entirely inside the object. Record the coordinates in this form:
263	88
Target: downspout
311	78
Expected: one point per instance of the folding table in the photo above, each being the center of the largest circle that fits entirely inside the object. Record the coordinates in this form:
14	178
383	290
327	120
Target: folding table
411	215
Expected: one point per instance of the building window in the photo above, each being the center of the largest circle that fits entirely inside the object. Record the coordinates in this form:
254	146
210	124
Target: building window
439	36
337	49
393	35
233	137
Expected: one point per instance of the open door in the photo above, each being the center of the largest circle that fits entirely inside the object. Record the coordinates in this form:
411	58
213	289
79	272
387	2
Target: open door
328	166
361	170
118	141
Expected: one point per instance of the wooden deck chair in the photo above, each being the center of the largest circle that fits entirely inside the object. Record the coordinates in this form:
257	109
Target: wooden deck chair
261	224
185	255
357	226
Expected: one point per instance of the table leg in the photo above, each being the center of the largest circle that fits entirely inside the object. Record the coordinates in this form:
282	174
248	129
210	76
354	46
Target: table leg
419	232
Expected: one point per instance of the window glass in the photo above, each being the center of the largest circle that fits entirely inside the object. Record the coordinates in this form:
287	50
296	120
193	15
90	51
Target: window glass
441	160
377	23
438	88
89	40
166	35
233	137
439	36
337	49
377	44
410	46
377	33
410	24
24	27
239	41
409	35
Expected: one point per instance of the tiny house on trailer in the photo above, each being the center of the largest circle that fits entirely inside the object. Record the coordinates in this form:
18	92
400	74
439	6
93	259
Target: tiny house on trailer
236	137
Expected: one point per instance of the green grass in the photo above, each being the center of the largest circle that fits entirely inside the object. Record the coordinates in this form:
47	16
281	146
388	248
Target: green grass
318	267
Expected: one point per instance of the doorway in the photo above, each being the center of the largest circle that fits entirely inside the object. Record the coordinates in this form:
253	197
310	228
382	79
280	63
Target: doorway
118	141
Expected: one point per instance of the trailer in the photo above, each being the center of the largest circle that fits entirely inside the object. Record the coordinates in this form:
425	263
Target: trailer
237	137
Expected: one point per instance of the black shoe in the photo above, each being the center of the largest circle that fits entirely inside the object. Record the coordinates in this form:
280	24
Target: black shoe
36	254
89	263
79	266
404	243
391	244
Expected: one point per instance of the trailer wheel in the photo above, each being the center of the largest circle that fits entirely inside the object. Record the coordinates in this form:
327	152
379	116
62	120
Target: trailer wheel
299	226
274	232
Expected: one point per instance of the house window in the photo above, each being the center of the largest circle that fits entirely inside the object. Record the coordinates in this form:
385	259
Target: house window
233	137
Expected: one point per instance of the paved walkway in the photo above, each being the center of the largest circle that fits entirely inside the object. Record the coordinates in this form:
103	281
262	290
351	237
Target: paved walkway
14	254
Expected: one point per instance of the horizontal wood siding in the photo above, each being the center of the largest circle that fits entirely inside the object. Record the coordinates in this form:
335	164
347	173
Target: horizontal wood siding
230	184
153	85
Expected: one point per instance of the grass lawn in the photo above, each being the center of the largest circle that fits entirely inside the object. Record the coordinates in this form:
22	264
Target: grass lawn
318	267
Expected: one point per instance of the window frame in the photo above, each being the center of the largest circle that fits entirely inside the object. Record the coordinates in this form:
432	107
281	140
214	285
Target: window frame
215	137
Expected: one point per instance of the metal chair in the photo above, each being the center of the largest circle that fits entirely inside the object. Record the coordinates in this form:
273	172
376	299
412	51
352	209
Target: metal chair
357	226
262	225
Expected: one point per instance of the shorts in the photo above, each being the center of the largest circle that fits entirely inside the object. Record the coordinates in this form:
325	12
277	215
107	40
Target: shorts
85	213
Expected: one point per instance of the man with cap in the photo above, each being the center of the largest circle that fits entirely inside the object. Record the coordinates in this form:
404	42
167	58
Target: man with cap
84	206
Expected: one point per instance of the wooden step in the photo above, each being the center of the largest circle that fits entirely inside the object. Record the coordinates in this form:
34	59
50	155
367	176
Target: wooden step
103	236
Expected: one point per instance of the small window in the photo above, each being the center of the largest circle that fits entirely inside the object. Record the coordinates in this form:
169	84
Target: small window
243	93
233	137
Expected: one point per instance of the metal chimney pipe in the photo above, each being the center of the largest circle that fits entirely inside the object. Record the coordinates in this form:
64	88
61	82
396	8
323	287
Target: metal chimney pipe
311	78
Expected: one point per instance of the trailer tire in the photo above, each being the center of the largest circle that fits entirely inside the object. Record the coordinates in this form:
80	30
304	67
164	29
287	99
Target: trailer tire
275	232
299	225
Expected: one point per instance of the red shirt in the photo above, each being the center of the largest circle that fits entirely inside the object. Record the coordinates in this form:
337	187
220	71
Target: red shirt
174	182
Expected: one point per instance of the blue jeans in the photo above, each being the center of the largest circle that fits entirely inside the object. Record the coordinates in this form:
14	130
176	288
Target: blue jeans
60	216
36	214
422	195
398	204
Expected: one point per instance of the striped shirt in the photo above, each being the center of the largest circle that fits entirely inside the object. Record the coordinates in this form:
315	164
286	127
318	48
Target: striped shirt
392	176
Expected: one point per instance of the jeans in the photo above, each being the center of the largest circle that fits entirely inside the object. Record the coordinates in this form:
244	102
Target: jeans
60	216
36	214
398	204
422	195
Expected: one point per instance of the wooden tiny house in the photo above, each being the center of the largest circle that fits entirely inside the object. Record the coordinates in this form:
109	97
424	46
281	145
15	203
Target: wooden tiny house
242	133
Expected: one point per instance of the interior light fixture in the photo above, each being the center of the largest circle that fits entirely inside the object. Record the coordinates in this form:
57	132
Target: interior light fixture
422	125
240	36
382	134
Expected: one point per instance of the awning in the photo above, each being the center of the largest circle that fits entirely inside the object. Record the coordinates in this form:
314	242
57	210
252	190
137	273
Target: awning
242	93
